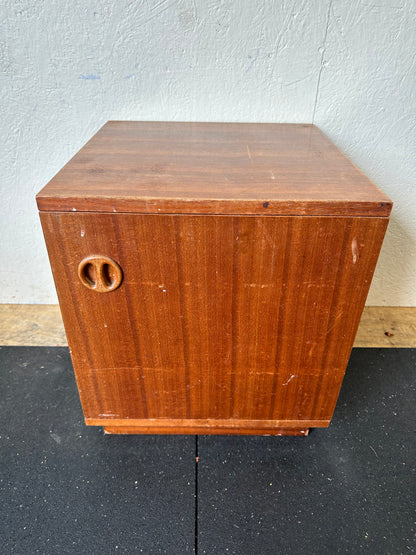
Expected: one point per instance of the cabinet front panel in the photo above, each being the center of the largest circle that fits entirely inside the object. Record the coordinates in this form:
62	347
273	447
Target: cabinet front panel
212	317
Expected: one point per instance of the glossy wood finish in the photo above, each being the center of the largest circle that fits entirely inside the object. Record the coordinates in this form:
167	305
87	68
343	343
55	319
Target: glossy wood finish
218	318
41	325
241	256
212	168
209	428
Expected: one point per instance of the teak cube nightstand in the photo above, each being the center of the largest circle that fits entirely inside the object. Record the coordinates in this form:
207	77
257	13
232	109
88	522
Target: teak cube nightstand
211	276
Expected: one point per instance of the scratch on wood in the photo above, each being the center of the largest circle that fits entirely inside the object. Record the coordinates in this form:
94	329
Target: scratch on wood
331	327
290	379
249	153
354	249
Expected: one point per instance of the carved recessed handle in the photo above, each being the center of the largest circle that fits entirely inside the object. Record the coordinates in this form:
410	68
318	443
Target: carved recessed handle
100	273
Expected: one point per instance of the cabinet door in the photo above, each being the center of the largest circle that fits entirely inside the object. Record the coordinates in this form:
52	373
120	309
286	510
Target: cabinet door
216	317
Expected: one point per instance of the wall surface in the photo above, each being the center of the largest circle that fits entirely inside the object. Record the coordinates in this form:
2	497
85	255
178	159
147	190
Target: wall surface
67	67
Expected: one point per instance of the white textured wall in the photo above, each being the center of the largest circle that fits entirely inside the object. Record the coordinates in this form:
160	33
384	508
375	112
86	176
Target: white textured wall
67	67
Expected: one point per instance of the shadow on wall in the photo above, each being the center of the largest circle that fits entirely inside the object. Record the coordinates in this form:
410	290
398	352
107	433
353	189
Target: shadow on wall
395	285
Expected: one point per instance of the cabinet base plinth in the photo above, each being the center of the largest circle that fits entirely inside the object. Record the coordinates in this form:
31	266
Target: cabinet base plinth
202	430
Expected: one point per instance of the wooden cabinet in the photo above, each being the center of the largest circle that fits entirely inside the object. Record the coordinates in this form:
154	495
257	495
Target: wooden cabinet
211	277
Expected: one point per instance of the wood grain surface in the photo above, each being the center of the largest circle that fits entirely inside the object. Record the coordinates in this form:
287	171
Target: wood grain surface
41	325
212	168
217	317
242	427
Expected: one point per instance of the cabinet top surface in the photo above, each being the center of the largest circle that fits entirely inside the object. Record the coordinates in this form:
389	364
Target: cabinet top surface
212	168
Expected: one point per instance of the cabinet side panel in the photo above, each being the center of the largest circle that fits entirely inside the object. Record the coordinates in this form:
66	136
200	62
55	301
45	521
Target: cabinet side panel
298	288
361	246
329	270
219	317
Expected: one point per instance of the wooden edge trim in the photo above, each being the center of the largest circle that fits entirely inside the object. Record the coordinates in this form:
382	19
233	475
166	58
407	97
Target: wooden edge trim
205	424
127	430
214	207
207	214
